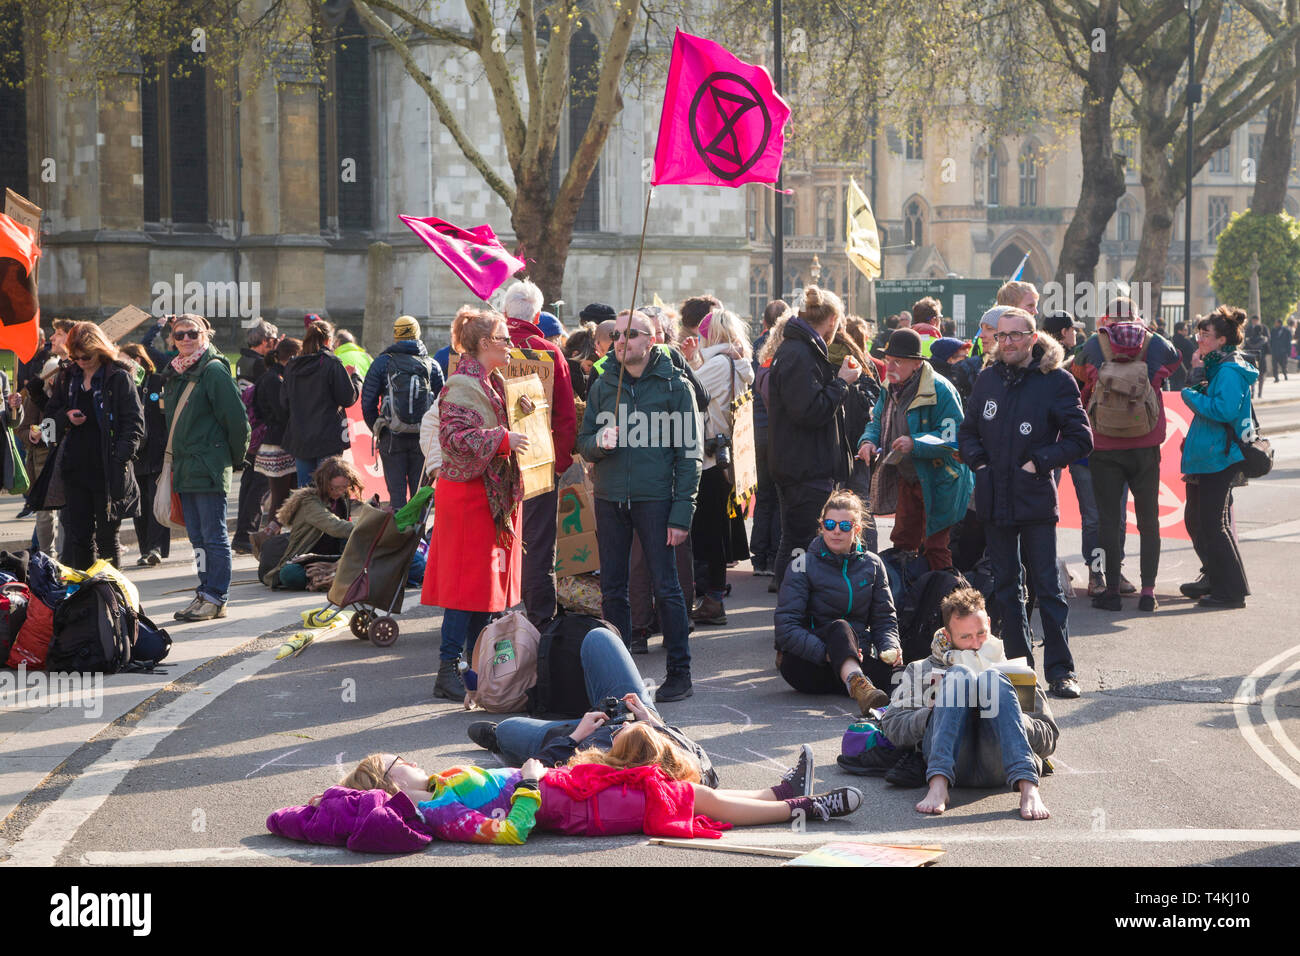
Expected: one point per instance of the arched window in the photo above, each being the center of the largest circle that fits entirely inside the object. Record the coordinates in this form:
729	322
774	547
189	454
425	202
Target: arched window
174	139
995	178
758	297
826	205
787	214
13	108
913	223
1127	218
1029	161
584	72
914	148
978	162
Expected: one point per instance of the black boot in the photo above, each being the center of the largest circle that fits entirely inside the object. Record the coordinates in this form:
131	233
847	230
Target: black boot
448	686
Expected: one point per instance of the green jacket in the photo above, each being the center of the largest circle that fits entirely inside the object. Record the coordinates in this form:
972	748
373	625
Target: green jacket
658	456
349	353
212	436
309	521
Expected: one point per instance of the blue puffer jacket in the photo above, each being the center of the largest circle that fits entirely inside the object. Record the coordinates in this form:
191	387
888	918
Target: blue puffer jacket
932	420
821	586
1224	405
1017	415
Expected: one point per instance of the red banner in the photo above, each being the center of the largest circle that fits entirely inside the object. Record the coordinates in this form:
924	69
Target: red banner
363	455
1173	490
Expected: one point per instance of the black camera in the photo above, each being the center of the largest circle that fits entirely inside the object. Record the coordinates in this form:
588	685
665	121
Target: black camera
719	448
616	711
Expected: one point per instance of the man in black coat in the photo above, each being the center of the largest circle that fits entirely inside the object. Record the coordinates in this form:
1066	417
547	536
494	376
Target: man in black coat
262	340
1024	420
1186	348
1279	346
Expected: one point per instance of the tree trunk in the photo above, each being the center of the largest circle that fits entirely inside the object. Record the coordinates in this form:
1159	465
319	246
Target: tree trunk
1274	165
1161	189
1103	172
537	242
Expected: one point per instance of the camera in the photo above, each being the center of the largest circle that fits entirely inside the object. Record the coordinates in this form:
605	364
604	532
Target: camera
616	711
718	447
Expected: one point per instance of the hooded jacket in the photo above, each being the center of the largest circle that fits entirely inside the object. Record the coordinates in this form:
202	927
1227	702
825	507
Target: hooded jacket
664	463
807	440
824	586
317	391
933	418
905	720
309	520
1017	415
725	379
365	821
1222	408
212	435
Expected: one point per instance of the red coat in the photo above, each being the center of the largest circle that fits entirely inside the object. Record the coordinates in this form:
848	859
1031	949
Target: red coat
467	568
564	416
573	798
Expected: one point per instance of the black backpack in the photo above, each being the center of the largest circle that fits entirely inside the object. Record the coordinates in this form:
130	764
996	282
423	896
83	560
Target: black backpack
561	689
920	616
95	630
408	396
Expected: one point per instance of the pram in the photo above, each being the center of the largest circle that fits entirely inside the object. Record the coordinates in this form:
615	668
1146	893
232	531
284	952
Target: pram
372	572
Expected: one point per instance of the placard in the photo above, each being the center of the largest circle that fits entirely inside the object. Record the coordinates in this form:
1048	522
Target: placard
576	551
743	455
524	362
123	322
537	461
24	212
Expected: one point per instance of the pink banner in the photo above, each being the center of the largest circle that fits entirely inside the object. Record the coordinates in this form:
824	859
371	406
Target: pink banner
363	455
1173	490
475	255
723	123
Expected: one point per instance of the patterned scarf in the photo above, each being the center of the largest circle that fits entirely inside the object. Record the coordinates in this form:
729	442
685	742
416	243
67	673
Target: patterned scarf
884	490
1212	361
180	364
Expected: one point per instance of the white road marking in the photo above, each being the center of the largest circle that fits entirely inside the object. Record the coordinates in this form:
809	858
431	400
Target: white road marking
1246	694
748	722
1269	707
271	761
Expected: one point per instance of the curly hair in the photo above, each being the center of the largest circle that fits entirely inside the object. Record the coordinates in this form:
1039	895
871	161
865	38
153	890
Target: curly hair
961	603
1226	322
336	467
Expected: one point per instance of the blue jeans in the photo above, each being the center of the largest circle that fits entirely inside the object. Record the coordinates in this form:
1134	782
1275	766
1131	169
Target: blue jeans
649	519
205	523
1038	543
305	467
460	631
973	755
609	671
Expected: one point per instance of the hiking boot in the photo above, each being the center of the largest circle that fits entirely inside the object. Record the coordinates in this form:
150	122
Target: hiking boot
187	614
709	611
1196	589
1108	601
484	733
909	772
1066	688
867	695
1126	586
872	762
448	686
839	802
202	610
1096	584
676	686
798	780
1147	602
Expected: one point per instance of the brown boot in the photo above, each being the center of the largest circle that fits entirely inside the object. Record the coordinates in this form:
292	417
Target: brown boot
867	695
709	611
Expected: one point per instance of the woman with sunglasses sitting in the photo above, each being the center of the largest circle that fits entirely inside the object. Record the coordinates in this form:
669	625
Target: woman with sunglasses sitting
833	596
644	784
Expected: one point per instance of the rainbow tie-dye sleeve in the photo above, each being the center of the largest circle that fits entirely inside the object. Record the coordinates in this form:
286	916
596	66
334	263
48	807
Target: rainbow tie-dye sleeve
470	807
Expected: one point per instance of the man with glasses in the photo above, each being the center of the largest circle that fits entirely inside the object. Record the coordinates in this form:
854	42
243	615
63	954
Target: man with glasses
1025	420
641	432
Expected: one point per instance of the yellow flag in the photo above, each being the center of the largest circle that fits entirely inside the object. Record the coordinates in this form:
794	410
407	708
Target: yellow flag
862	244
659	302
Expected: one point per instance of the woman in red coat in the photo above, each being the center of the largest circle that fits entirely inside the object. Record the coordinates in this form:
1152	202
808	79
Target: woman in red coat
476	554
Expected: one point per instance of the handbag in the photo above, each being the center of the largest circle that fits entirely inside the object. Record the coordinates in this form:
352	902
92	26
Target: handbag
167	510
1257	453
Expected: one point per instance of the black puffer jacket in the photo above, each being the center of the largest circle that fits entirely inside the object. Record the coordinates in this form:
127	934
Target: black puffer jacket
266	402
807	440
317	390
821	586
1016	415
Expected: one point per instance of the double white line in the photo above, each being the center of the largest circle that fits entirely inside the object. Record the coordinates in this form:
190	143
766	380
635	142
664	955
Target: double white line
1248	695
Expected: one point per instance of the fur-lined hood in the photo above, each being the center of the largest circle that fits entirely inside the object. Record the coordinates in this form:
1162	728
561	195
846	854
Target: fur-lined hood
289	510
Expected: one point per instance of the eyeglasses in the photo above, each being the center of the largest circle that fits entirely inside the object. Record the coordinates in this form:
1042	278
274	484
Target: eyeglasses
1011	336
628	334
186	334
396	761
498	339
830	524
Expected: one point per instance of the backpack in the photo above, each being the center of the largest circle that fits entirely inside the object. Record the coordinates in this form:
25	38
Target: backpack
408	395
561	689
1123	403
901	569
920	614
247	395
505	662
95	629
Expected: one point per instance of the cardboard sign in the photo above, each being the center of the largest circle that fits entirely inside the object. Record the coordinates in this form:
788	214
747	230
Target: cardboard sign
123	322
537	461
24	212
869	854
576	551
743	455
524	362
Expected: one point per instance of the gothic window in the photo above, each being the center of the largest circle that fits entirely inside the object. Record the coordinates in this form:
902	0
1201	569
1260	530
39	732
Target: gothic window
913	218
1029	163
174	139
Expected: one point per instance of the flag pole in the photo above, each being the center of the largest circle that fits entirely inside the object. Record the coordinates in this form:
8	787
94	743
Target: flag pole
645	218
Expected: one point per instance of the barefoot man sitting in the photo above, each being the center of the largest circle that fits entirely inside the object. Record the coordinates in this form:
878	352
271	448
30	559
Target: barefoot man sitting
964	714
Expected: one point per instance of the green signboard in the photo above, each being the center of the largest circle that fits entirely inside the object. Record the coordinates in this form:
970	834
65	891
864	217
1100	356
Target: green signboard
964	300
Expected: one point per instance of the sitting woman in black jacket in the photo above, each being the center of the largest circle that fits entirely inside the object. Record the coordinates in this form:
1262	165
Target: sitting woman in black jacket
833	596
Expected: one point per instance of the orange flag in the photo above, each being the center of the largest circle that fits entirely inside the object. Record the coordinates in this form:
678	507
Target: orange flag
20	313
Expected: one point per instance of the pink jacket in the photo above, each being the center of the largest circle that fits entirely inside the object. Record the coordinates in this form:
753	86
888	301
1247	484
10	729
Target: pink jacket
367	821
611	812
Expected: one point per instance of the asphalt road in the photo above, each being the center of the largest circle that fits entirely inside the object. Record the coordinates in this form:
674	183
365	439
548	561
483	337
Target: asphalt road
1184	749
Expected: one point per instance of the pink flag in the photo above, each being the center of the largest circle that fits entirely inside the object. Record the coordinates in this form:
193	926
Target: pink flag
475	255
723	123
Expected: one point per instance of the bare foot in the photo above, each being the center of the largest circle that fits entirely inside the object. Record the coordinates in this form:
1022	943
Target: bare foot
1031	802
937	798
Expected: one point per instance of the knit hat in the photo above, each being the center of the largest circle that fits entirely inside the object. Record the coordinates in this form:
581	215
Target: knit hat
943	349
904	344
406	328
597	312
549	325
990	318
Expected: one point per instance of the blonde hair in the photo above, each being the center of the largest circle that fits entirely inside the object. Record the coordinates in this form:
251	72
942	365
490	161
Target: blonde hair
726	328
820	305
471	326
844	500
775	336
1012	292
640	745
370	774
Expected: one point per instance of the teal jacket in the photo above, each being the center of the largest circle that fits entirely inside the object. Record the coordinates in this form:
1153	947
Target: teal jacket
659	452
212	436
935	414
1223	406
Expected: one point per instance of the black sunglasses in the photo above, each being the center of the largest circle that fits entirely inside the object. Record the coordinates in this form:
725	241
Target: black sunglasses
186	334
629	334
830	524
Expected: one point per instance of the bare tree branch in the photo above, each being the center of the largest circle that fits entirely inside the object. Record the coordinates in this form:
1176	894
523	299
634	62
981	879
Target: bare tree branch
528	25
509	110
425	27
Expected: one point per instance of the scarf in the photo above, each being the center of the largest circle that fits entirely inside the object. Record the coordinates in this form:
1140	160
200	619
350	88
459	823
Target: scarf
884	491
180	365
1211	362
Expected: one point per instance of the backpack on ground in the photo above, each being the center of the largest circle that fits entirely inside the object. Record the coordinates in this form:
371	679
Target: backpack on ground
408	396
920	614
1123	403
561	689
505	663
902	568
95	629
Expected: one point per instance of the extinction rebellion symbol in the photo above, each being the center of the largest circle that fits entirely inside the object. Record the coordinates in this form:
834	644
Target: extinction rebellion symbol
724	129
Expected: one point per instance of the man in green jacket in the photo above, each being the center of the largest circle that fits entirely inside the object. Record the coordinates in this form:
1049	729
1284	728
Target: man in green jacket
207	442
644	443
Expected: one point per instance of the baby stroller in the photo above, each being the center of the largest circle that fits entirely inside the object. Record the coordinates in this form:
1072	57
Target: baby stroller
372	572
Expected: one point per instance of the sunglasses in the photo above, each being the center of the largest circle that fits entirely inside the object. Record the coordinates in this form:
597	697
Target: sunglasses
628	334
186	334
830	524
